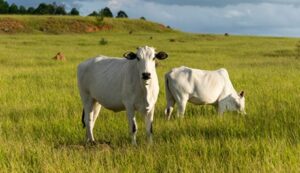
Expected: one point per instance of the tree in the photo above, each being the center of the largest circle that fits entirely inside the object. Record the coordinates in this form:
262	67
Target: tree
13	9
74	12
94	13
42	9
121	14
30	10
142	18
3	7
22	10
60	10
105	12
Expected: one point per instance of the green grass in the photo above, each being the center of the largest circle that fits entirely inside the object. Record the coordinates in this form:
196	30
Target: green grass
40	112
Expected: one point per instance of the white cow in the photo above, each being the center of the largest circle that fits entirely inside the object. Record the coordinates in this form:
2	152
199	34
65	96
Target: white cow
129	84
201	87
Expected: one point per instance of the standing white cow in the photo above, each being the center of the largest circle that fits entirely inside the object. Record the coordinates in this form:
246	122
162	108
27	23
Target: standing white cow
129	84
201	87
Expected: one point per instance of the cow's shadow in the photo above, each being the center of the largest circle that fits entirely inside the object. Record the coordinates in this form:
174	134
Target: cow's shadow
100	145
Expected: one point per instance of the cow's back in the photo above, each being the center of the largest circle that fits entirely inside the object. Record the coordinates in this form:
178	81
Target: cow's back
201	86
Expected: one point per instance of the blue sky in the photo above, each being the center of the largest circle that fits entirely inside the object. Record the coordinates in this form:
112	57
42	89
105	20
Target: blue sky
247	17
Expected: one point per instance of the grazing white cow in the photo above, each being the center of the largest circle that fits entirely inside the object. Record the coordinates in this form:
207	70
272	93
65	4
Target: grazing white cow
129	84
201	87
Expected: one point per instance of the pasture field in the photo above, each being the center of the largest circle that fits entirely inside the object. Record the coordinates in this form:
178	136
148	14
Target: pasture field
40	109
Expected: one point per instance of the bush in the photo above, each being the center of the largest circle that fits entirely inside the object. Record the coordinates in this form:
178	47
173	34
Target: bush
121	14
103	41
74	12
100	20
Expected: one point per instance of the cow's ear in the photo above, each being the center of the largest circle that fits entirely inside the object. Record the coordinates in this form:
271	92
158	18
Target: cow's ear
161	55
242	94
130	55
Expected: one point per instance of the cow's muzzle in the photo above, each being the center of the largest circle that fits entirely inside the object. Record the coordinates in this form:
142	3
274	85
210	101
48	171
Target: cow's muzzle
146	76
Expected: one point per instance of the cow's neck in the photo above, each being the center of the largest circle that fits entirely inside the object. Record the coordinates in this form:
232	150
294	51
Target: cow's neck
228	91
147	93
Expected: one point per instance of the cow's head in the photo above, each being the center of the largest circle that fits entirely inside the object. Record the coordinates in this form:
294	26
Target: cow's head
145	60
234	102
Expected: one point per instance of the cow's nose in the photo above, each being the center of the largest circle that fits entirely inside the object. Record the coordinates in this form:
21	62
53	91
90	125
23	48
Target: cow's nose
146	76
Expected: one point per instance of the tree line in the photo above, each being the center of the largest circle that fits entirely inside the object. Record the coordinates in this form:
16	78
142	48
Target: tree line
42	9
53	9
106	12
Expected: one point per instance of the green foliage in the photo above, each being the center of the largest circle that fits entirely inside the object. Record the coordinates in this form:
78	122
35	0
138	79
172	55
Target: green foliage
30	10
94	13
103	41
4	7
121	14
40	115
60	10
99	20
44	9
105	12
74	12
13	9
22	10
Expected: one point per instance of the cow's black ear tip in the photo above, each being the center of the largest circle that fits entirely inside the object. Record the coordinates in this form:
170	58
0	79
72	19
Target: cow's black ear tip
129	55
242	93
161	55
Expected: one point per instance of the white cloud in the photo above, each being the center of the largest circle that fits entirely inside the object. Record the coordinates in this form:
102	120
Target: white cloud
258	19
118	4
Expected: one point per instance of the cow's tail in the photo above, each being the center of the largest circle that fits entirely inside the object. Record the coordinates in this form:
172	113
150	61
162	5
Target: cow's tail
82	119
169	97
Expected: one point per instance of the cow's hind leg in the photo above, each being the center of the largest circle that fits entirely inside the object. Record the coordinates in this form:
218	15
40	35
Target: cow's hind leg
96	110
182	101
89	118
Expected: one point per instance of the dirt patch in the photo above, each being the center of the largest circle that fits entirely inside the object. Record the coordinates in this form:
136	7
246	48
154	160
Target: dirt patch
9	25
59	57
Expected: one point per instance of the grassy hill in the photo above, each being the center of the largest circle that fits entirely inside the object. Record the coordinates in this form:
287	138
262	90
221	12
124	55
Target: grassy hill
74	24
40	109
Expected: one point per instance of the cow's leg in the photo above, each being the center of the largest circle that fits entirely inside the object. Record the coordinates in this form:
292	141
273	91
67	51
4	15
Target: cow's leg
181	106
148	123
96	110
89	119
169	108
220	108
132	124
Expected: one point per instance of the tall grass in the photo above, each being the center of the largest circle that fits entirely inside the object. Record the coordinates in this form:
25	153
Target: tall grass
40	112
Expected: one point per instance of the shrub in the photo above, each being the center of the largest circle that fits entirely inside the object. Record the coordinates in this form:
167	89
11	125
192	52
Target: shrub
103	41
100	20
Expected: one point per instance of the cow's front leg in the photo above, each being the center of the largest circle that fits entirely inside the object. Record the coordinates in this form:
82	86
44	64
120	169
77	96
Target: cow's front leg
148	122
132	125
221	107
